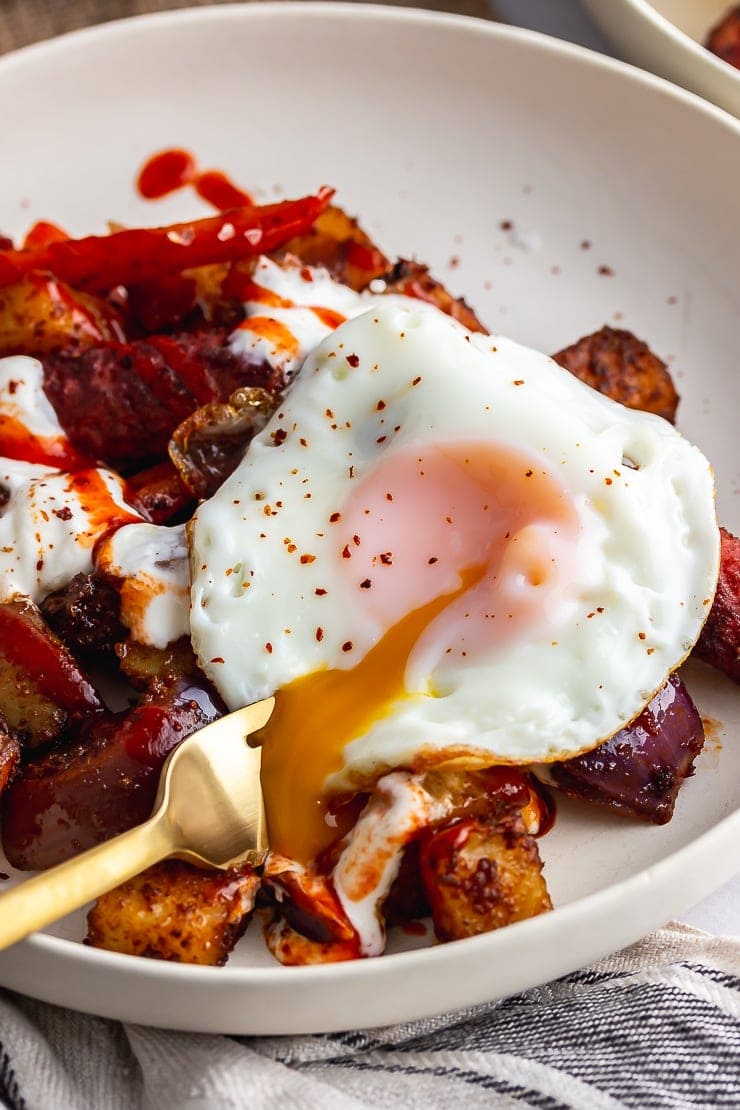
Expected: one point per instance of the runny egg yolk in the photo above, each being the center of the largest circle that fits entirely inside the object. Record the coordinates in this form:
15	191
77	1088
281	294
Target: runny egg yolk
455	549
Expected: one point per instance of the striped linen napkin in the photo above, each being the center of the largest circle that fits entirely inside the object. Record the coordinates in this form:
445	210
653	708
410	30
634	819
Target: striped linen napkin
655	1026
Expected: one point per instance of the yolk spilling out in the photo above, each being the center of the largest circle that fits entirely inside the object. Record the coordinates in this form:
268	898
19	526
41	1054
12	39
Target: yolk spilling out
455	550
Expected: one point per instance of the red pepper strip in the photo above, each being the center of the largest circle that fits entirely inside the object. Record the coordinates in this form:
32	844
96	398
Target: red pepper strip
27	643
101	262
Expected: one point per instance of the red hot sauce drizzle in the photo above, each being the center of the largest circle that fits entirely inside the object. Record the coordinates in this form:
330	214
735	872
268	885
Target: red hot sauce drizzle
170	170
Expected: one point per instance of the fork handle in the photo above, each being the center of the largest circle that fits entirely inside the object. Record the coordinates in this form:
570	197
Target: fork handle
55	893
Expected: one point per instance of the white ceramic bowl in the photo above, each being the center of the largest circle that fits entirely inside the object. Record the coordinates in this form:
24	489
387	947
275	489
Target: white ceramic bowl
519	167
667	37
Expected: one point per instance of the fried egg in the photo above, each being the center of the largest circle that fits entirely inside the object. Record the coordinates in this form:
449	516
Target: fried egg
445	549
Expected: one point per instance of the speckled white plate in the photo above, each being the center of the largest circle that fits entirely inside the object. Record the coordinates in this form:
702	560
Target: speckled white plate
667	37
558	190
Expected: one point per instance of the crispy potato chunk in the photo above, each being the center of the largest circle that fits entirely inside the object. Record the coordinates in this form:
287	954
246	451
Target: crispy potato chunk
175	912
40	313
480	875
619	365
414	280
337	242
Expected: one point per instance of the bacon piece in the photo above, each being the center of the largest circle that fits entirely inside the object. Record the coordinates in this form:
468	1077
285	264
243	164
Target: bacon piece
482	874
43	692
719	643
120	402
414	280
102	262
640	769
619	365
724	39
73	798
176	912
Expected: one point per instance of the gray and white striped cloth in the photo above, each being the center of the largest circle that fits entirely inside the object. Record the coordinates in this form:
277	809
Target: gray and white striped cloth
655	1026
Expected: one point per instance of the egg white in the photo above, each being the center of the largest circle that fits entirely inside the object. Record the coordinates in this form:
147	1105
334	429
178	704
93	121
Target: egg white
264	553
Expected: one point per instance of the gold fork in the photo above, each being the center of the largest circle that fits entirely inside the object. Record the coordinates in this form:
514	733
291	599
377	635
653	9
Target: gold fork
208	811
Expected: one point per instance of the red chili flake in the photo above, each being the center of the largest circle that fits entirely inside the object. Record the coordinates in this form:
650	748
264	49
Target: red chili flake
356	540
267	510
528	473
347	645
334	518
217	659
380	406
236	501
12	386
600	609
268	648
353	360
609	481
40	564
346	553
586	245
381	439
642	636
386	558
589	615
605	271
306	274
319	634
291	548
519	381
431	561
320	591
330	414
389	496
63	514
650	651
351	471
416	380
303	442
454	262
279	436
308	559
365	584
506	225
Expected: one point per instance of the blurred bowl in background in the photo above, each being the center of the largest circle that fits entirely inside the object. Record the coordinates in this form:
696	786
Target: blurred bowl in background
666	37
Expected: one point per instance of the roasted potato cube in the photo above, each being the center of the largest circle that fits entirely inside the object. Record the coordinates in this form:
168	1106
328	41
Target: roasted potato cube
40	313
175	912
414	280
337	242
619	365
480	875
